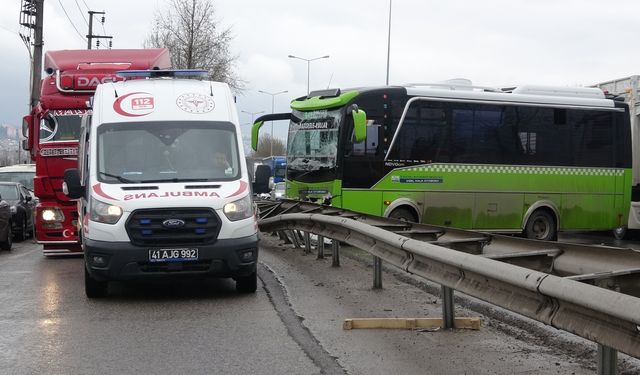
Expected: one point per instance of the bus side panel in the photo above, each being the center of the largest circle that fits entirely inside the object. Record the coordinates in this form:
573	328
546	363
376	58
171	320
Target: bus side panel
546	199
365	201
449	209
588	211
498	211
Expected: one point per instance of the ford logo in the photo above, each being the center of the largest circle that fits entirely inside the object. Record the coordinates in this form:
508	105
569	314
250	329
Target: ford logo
173	223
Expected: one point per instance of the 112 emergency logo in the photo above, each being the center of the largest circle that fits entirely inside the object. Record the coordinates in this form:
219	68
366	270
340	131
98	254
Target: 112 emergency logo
195	103
134	104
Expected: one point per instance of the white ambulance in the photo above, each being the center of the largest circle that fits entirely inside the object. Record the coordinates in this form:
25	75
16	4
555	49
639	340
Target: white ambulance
162	184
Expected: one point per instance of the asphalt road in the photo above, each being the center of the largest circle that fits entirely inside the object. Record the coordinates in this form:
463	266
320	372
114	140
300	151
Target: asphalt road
292	325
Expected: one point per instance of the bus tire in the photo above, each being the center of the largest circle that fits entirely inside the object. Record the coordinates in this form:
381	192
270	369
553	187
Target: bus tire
541	226
620	233
94	288
404	214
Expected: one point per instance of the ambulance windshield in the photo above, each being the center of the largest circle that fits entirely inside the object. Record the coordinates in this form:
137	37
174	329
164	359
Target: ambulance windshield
169	151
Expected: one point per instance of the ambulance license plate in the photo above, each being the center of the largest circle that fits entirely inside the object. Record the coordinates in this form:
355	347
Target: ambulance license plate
173	255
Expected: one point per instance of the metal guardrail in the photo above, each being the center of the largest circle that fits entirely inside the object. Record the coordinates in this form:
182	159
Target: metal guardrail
590	291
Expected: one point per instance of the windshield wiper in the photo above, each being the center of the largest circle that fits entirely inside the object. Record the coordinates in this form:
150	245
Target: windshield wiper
177	180
124	180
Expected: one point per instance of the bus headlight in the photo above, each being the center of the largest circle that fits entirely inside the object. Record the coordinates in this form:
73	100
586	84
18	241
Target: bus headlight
240	209
52	214
104	213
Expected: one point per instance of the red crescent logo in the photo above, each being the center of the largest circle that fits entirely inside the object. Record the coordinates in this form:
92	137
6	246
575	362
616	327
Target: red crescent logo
241	189
117	105
98	190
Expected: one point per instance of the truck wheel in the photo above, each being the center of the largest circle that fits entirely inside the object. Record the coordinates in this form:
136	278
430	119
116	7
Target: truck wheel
620	233
247	284
404	214
94	288
8	241
541	226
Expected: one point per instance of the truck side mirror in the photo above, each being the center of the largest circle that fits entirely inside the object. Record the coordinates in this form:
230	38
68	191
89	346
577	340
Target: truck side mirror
359	123
27	132
263	175
71	186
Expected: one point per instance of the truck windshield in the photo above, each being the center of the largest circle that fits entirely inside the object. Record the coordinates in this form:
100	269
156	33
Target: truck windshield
169	151
313	142
56	128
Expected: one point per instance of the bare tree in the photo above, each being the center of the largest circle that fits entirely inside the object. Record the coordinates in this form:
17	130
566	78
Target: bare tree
264	146
189	30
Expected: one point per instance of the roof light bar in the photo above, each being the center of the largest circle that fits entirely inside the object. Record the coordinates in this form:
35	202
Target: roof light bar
163	73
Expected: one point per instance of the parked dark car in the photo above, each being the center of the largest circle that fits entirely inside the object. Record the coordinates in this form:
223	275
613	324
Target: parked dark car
6	237
22	206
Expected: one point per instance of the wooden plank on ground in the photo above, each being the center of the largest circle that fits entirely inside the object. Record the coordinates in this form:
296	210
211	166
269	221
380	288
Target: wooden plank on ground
408	323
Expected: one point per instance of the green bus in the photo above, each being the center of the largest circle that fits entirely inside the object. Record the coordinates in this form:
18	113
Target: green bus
531	159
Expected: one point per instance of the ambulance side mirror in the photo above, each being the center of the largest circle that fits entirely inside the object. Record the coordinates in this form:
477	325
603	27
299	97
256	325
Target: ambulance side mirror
71	185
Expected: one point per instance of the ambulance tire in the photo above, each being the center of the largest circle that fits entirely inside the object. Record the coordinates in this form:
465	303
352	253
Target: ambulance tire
247	284
94	288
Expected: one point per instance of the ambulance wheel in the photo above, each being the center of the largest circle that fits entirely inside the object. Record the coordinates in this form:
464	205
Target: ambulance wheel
247	284
94	288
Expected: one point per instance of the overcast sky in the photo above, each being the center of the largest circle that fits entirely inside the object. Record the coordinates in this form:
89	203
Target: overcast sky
493	43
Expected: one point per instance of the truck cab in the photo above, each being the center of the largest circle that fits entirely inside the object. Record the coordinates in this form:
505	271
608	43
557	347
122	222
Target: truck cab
162	184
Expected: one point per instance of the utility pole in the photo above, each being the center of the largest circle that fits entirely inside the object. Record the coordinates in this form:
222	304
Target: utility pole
90	35
31	17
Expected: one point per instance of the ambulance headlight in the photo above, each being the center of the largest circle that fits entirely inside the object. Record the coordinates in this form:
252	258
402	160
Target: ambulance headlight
240	209
104	213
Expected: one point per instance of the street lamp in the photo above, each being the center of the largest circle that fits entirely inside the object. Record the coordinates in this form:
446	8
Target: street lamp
273	99
252	114
308	65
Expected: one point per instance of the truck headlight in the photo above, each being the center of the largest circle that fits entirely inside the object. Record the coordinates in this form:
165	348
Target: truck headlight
14	209
52	214
103	212
240	209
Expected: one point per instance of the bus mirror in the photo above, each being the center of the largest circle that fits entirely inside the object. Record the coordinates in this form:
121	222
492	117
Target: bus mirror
255	130
25	145
359	124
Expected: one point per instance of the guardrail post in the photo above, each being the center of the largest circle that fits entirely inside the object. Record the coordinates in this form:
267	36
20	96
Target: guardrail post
448	308
335	253
377	273
307	243
607	360
294	238
320	247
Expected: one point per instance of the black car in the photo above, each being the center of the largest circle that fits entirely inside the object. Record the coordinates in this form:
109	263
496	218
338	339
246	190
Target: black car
22	205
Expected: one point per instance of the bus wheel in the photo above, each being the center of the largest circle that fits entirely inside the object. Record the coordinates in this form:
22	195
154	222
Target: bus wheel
620	233
404	214
541	226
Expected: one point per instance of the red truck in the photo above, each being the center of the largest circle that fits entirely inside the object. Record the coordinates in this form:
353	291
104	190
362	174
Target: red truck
53	126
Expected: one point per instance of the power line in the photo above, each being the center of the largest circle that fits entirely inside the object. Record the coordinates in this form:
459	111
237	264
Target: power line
71	22
85	4
81	13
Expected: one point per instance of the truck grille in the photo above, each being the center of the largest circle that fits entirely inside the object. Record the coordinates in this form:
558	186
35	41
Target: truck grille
146	228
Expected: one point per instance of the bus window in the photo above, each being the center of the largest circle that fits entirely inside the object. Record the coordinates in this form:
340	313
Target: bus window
424	135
